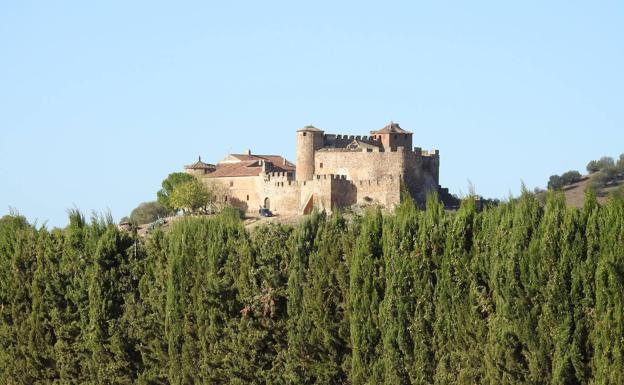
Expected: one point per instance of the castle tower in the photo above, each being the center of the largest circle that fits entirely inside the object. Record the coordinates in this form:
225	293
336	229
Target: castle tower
393	136
309	140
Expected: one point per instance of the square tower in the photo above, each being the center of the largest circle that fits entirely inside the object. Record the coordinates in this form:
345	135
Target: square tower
393	136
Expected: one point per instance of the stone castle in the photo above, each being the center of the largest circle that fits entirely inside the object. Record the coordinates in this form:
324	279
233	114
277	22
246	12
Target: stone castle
332	171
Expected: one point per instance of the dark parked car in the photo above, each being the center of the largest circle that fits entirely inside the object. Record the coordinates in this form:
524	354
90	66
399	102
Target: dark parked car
265	212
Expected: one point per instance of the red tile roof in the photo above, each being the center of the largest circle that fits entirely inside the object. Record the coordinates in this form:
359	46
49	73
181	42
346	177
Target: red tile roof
199	165
251	165
278	161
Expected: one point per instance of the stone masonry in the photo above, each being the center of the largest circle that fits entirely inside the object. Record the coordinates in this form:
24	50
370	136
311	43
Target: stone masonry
331	171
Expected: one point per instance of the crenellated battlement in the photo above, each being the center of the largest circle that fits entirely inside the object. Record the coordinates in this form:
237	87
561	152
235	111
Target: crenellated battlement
332	170
426	153
363	138
279	174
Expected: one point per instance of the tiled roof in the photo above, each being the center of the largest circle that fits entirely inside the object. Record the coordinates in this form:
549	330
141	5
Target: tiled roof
249	168
251	165
391	128
199	165
278	161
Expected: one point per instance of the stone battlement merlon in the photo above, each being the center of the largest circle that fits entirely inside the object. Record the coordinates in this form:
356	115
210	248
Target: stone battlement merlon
329	176
370	150
363	138
426	153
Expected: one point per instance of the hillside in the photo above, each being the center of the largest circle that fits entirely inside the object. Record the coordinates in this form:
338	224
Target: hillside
575	192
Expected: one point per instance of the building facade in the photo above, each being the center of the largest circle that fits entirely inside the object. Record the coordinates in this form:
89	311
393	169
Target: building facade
331	171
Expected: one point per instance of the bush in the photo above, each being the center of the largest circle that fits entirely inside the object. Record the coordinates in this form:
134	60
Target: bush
601	164
148	212
600	179
555	182
571	177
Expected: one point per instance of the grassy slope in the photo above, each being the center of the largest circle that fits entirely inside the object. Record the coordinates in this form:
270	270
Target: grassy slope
575	192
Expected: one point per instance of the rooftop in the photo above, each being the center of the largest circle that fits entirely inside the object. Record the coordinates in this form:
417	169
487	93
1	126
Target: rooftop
310	128
236	165
391	128
199	165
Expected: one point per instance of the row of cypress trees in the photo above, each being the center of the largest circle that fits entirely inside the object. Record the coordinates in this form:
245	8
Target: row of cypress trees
523	293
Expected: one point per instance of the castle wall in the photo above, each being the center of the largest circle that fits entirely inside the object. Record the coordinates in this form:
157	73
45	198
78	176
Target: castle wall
384	191
359	165
284	194
241	192
329	175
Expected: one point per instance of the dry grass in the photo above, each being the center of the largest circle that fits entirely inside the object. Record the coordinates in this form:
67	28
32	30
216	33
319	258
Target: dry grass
575	193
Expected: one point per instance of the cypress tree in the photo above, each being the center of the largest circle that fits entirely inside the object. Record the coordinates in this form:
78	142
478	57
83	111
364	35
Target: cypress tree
508	354
609	326
299	323
112	352
400	233
427	257
365	297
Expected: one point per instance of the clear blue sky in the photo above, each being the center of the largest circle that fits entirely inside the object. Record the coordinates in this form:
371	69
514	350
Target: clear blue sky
100	100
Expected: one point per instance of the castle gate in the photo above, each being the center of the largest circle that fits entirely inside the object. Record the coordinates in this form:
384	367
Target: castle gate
267	203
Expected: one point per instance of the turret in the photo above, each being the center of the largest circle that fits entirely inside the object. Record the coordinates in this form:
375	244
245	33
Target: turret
200	168
393	136
309	140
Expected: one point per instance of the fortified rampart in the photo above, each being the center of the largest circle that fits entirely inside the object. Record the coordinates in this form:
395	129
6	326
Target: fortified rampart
332	171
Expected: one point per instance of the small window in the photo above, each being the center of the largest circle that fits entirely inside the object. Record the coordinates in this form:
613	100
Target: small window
395	136
231	183
247	197
305	133
225	198
320	165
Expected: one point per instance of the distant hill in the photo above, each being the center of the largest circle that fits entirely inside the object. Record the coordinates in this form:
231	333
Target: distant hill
575	192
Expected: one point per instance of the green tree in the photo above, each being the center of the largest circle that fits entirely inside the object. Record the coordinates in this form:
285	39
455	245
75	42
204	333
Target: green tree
148	212
169	184
365	297
191	196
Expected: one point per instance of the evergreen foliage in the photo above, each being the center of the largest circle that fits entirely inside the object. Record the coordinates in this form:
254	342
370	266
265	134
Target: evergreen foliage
521	293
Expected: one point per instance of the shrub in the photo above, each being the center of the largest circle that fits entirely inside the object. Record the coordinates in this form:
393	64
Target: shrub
148	212
555	182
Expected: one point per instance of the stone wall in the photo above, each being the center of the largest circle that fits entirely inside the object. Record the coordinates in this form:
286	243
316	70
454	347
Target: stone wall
384	191
241	192
358	165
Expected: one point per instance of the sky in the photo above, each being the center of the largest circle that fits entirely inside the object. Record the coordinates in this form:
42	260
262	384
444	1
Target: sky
101	100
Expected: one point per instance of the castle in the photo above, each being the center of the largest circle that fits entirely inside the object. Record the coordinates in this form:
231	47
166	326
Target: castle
331	171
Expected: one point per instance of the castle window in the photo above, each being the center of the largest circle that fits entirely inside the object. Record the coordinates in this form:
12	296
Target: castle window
247	197
231	183
225	198
320	165
305	133
395	136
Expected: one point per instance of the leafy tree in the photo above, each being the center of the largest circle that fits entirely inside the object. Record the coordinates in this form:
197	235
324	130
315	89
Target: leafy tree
169	184
191	196
556	182
148	212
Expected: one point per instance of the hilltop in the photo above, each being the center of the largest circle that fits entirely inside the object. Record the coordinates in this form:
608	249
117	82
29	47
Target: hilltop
575	192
